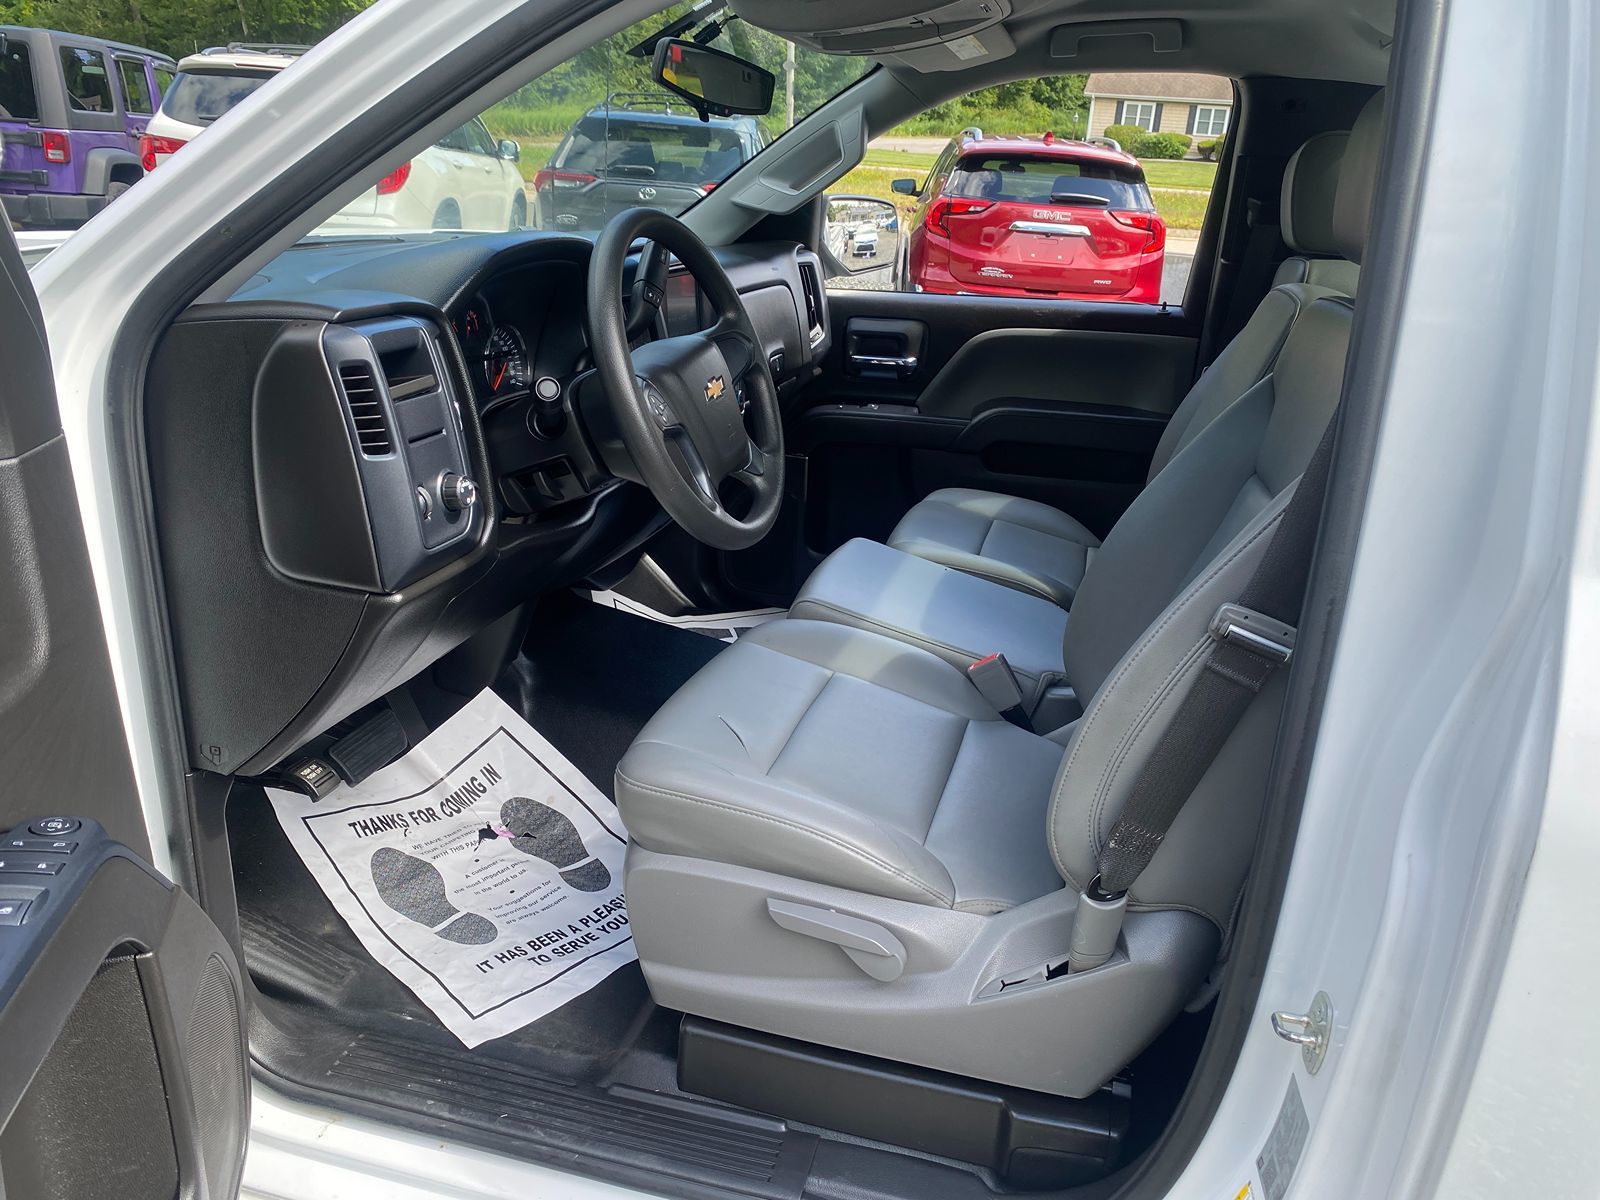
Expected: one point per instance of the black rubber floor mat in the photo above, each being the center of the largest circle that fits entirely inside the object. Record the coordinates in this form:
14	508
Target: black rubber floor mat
689	1140
590	677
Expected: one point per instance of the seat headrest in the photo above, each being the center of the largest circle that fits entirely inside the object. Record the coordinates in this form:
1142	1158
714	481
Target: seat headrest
1310	182
1358	180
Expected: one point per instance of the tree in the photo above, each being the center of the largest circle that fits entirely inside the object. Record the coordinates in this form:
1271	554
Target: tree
180	27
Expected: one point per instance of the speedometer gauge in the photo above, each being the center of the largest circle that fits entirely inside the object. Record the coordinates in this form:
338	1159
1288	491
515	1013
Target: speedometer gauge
505	362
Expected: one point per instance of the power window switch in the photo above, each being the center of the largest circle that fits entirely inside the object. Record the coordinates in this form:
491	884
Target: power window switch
13	912
30	866
35	845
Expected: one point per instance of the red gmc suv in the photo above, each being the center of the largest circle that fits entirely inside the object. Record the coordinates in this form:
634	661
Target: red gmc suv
1038	216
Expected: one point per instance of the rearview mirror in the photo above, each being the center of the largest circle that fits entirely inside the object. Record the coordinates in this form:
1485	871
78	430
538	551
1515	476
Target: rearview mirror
510	151
717	84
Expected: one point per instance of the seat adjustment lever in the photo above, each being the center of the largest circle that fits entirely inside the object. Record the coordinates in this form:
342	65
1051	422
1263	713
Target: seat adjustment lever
869	945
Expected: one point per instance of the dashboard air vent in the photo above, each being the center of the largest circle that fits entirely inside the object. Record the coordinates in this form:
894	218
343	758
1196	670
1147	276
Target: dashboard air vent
812	285
366	408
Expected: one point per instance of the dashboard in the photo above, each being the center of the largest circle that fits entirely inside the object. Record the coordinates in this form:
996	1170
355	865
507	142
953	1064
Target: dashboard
378	448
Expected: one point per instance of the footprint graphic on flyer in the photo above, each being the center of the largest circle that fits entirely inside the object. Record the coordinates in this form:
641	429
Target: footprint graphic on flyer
543	833
414	888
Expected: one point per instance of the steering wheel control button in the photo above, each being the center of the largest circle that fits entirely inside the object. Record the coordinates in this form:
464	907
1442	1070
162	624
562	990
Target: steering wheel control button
658	409
54	827
31	865
456	492
36	845
14	912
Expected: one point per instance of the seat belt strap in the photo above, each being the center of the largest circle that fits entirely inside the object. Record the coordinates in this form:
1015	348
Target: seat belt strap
1251	639
1256	267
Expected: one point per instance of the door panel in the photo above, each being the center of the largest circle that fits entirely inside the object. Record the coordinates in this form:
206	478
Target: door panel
121	1004
1055	401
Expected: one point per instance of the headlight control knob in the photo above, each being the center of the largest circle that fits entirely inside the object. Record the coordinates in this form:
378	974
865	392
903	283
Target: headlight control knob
456	492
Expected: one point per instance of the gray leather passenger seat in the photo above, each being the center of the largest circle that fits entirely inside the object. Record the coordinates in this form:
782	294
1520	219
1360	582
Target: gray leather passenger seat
1035	548
834	837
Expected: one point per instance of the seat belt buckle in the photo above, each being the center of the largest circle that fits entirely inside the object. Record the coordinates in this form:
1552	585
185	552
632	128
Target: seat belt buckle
1249	630
996	682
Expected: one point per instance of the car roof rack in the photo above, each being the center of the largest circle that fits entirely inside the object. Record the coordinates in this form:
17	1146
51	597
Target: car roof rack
287	49
970	134
1108	143
646	102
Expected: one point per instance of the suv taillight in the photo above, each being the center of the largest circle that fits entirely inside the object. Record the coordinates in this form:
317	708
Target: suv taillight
150	146
395	179
560	179
1147	221
57	149
945	207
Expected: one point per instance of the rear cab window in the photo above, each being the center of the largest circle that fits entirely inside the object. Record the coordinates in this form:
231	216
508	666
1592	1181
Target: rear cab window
87	81
200	97
18	100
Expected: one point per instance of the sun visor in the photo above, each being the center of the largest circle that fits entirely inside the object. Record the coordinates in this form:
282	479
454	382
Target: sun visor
897	27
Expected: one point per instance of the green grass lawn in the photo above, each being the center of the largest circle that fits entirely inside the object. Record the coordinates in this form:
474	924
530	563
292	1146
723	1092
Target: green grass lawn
1179	173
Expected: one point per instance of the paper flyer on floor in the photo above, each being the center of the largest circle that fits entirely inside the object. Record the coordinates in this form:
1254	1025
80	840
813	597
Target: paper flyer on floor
482	869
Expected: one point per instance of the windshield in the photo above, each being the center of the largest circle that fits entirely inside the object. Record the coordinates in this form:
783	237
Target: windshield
592	137
200	97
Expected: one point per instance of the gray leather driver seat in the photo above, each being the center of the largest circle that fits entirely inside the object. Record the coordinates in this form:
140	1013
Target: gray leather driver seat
835	838
1038	549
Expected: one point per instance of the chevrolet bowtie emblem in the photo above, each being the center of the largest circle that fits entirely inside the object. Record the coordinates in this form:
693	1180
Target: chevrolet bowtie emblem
715	386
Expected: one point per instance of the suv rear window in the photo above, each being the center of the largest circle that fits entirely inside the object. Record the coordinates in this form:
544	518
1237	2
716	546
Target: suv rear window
88	84
671	152
1040	180
200	97
17	99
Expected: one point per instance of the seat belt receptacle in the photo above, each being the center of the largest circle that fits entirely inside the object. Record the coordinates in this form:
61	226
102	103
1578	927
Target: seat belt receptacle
997	683
1096	926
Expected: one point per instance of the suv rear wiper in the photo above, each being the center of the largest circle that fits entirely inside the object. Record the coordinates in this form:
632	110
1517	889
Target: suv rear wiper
1078	198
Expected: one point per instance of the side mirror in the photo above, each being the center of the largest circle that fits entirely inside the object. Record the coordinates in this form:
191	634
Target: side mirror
906	187
510	151
861	234
716	84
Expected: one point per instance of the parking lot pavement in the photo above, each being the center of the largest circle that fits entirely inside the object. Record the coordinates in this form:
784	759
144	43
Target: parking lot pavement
1175	269
1175	277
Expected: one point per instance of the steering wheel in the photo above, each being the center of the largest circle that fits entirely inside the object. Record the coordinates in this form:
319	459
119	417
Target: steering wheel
680	405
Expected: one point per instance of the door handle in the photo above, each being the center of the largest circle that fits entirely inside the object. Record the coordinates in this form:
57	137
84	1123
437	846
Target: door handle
902	365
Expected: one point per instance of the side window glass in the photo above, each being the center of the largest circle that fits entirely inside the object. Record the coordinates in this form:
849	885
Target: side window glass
136	98
478	139
1074	188
164	78
87	81
456	139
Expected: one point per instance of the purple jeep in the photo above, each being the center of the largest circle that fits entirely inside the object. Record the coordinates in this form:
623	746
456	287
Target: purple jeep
71	112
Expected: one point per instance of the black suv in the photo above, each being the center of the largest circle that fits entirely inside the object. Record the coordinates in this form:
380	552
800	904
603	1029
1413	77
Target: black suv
640	149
